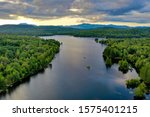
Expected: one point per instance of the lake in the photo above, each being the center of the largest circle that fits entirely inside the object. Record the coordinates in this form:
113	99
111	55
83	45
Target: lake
77	72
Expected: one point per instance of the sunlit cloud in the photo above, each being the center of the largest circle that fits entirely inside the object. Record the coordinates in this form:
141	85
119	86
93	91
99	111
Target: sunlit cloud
59	21
76	10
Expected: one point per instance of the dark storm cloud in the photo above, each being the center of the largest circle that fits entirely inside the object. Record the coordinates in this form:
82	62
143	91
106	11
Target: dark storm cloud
139	5
111	7
94	10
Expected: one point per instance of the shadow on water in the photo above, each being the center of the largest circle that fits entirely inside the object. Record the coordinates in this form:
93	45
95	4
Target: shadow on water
26	81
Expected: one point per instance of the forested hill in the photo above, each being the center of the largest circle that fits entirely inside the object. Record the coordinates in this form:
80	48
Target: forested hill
112	32
33	30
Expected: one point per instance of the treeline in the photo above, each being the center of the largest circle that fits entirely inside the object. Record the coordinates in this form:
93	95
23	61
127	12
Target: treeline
32	30
60	30
22	56
113	33
131	53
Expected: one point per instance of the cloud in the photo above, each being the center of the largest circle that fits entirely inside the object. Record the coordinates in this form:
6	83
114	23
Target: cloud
125	7
133	16
90	10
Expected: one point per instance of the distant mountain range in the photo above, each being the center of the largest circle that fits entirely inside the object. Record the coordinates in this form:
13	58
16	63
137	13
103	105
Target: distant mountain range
94	26
81	30
83	26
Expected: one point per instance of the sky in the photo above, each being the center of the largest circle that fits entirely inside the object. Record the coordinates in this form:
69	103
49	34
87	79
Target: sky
72	12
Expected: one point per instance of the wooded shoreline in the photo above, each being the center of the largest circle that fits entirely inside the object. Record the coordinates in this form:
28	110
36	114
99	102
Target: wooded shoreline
23	56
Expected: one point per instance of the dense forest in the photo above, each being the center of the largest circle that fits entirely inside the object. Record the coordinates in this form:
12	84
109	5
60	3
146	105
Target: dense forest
130	53
60	30
22	56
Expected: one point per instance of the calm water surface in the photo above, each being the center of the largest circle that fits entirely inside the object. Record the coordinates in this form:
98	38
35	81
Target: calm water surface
69	77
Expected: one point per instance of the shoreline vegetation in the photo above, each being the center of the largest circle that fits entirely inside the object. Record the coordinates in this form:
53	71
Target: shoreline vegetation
130	53
129	47
22	57
106	32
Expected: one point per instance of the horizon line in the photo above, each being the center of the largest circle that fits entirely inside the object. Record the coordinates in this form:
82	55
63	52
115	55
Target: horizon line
72	24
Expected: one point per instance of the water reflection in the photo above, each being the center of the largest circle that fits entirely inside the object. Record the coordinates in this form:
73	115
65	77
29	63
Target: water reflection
67	77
